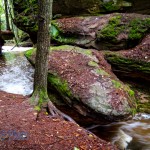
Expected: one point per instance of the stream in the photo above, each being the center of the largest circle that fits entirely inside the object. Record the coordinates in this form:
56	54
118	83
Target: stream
16	76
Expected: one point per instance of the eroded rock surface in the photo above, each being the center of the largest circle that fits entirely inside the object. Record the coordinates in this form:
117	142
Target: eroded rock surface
85	81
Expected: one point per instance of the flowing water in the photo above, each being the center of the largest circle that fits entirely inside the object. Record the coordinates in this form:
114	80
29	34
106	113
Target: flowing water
132	135
16	76
16	73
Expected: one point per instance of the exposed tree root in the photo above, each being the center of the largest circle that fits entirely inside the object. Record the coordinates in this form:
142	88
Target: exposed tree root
40	100
54	112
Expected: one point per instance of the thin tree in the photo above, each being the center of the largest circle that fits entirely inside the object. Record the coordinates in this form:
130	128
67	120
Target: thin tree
40	97
6	15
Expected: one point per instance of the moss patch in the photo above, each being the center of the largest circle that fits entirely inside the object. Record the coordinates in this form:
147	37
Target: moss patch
93	64
30	52
116	84
74	49
112	30
135	29
133	65
138	27
131	93
61	86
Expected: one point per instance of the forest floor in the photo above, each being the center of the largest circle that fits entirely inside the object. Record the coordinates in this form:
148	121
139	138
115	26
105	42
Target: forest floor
21	129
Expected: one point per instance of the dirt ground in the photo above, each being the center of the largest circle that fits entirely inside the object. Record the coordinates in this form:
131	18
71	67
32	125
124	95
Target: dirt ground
20	129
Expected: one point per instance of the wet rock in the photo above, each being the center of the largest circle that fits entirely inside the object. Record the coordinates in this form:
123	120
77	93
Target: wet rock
107	32
85	81
133	63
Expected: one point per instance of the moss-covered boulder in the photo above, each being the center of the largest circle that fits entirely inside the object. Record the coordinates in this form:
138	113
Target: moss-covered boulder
85	81
133	63
25	12
108	32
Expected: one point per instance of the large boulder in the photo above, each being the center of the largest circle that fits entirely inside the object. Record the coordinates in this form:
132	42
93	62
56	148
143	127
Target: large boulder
133	63
106	32
85	81
25	12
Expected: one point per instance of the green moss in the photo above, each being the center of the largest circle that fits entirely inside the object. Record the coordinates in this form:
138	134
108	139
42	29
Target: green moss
112	30
133	111
143	107
56	24
138	27
29	53
39	98
93	64
101	72
72	48
61	86
37	108
135	29
131	93
133	65
88	52
116	84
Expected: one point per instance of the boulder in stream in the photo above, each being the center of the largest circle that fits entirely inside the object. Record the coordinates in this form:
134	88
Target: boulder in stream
84	80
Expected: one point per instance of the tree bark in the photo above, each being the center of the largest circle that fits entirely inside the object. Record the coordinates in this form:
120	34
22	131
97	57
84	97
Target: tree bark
40	96
43	44
6	15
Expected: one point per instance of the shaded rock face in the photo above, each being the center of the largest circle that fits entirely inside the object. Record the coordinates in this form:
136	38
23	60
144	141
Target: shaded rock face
108	32
78	7
85	81
139	6
132	63
25	13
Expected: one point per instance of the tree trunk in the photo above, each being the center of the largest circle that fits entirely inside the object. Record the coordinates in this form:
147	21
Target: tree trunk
40	96
13	26
43	44
6	15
